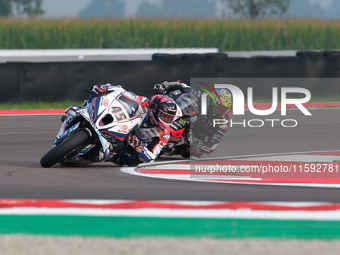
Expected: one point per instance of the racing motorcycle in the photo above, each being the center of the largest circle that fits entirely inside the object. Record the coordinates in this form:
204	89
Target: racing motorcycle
180	128
95	132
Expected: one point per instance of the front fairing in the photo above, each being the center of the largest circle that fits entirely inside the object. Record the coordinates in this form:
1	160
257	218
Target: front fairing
113	118
105	117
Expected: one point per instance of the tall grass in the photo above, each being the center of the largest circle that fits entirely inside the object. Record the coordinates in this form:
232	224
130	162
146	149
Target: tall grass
226	35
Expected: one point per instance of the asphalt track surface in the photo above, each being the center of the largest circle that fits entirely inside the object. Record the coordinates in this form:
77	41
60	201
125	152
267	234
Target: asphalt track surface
25	139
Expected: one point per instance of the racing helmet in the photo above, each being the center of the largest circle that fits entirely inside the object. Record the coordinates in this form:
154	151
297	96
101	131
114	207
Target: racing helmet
188	103
220	108
163	111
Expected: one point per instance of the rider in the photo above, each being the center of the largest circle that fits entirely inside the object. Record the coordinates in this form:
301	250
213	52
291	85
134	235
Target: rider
149	138
204	136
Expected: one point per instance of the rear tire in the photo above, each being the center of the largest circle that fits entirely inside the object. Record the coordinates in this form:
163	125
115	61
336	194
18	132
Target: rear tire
57	153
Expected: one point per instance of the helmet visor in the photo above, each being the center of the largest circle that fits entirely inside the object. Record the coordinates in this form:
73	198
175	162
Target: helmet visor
188	104
166	118
220	110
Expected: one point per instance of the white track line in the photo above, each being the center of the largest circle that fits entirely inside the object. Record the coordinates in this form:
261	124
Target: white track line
185	177
322	215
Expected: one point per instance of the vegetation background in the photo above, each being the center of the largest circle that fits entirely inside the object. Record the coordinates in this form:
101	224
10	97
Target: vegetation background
284	25
229	25
226	35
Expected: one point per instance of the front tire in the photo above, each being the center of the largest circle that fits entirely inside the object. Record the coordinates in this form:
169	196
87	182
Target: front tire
57	153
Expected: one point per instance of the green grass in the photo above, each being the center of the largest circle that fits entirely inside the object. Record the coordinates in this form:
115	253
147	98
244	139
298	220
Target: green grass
333	98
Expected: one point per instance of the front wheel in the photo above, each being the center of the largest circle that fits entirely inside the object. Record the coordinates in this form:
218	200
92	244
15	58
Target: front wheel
57	153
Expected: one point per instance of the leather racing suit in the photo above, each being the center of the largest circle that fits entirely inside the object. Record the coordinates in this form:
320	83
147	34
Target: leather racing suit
204	136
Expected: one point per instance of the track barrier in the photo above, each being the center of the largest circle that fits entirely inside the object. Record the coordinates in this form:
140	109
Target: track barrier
54	81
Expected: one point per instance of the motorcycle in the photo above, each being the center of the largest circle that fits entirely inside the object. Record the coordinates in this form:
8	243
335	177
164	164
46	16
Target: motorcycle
96	131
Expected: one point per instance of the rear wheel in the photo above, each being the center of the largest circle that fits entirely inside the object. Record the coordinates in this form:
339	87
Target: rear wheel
57	153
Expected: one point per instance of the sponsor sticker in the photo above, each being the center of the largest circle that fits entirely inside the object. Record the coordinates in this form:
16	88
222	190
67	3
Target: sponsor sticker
106	102
166	137
123	127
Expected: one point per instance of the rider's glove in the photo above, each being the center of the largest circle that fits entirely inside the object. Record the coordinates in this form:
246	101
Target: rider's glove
100	89
208	148
179	85
159	88
195	141
134	141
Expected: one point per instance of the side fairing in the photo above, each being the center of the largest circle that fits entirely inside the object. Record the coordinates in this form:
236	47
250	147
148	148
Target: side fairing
113	118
